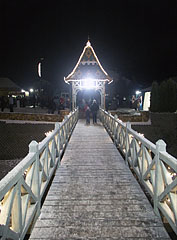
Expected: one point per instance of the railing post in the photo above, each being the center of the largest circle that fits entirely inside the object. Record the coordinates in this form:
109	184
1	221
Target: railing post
158	188
61	137
115	129
34	148
109	123
128	126
66	128
16	217
57	128
57	125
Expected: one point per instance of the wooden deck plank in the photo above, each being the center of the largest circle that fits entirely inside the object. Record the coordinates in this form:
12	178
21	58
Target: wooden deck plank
95	196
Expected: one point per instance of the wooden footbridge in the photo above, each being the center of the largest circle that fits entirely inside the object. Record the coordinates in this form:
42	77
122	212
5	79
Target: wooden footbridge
93	194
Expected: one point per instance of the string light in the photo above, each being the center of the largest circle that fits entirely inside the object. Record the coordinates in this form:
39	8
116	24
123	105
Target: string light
88	45
48	133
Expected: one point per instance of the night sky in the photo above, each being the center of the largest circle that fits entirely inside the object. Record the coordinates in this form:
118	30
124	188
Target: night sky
135	38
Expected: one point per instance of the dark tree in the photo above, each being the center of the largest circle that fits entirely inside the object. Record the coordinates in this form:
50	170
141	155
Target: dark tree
172	95
154	104
163	97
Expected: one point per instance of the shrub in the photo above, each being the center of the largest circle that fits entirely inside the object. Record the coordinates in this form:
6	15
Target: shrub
172	95
154	101
163	97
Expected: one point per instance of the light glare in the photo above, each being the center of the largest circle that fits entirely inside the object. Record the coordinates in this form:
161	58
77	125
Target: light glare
138	92
89	83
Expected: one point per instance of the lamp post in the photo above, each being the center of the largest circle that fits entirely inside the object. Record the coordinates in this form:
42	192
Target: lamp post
40	74
40	67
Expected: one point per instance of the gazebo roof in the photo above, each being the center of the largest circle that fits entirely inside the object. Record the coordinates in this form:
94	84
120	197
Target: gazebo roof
88	67
8	85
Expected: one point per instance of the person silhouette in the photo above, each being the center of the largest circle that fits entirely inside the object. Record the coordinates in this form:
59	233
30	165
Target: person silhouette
94	108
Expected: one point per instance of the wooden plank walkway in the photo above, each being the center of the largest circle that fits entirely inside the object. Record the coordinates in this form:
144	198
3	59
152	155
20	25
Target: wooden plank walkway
95	196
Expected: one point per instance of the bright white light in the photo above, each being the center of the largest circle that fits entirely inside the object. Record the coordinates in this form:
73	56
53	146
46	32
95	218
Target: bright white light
31	90
146	103
39	69
88	44
138	92
89	83
26	93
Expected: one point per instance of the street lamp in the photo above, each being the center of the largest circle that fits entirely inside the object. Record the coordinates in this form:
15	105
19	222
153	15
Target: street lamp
138	92
31	90
40	67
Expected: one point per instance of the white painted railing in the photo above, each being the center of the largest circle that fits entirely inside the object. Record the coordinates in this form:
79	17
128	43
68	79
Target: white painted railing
22	189
154	167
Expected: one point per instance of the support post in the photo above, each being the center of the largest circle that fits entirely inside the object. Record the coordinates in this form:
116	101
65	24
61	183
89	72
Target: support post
104	95
73	97
115	130
34	148
57	128
128	126
102	91
158	188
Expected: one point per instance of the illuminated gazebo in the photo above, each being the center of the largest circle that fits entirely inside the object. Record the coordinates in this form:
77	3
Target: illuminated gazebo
88	74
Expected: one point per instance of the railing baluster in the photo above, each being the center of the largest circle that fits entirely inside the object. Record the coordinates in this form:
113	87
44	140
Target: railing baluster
22	189
34	148
17	210
128	126
153	173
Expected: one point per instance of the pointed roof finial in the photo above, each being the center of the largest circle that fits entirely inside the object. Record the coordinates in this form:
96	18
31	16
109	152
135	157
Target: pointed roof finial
88	42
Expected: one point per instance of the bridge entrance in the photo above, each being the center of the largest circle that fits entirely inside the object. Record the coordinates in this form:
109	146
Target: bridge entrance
88	76
87	96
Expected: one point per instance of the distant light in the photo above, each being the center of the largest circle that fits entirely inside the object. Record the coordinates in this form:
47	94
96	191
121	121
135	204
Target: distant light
31	90
137	92
26	94
88	44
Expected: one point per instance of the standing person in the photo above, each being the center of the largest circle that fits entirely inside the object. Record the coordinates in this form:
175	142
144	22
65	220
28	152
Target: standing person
2	103
57	103
138	103
34	100
11	103
133	102
94	109
87	114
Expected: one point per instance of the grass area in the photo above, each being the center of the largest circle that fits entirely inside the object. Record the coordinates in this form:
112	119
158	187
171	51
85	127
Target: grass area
15	138
14	142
